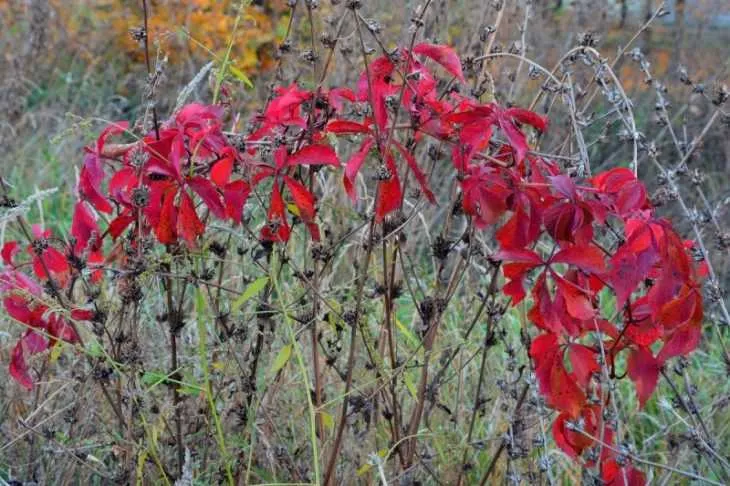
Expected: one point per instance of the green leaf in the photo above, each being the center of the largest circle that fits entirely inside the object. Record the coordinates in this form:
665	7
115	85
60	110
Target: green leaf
239	75
410	385
407	333
152	378
362	470
254	288
94	349
281	359
327	420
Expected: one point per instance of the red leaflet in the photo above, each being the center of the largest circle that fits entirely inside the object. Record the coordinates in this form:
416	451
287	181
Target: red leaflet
10	249
166	229
277	228
523	227
643	369
346	127
577	300
389	192
221	171
569	221
555	382
484	195
588	258
314	155
417	173
476	116
83	227
235	195
583	361
615	475
92	173
18	366
622	190
189	225
572	441
507	123
303	199
377	88
209	194
640	326
354	165
48	262
444	55
286	107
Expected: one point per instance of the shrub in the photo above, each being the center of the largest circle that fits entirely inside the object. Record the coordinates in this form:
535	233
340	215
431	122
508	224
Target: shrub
295	236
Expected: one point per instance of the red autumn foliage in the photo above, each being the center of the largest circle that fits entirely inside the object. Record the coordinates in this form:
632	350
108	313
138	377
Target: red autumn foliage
176	179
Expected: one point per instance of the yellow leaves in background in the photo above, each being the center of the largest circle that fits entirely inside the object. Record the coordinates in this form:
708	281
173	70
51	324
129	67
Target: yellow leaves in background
183	29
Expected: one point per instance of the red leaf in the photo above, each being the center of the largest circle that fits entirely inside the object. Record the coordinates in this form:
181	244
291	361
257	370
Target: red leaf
574	442
420	176
189	225
389	193
112	129
221	171
444	55
121	185
89	190
515	138
628	268
564	185
314	155
583	360
615	475
166	229
640	327
515	273
577	303
555	382
83	226
643	369
346	127
120	223
569	222
235	195
521	230
621	184
32	343
10	249
82	314
19	367
353	167
277	229
518	256
59	328
485	195
527	117
587	258
682	342
303	199
544	312
208	193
